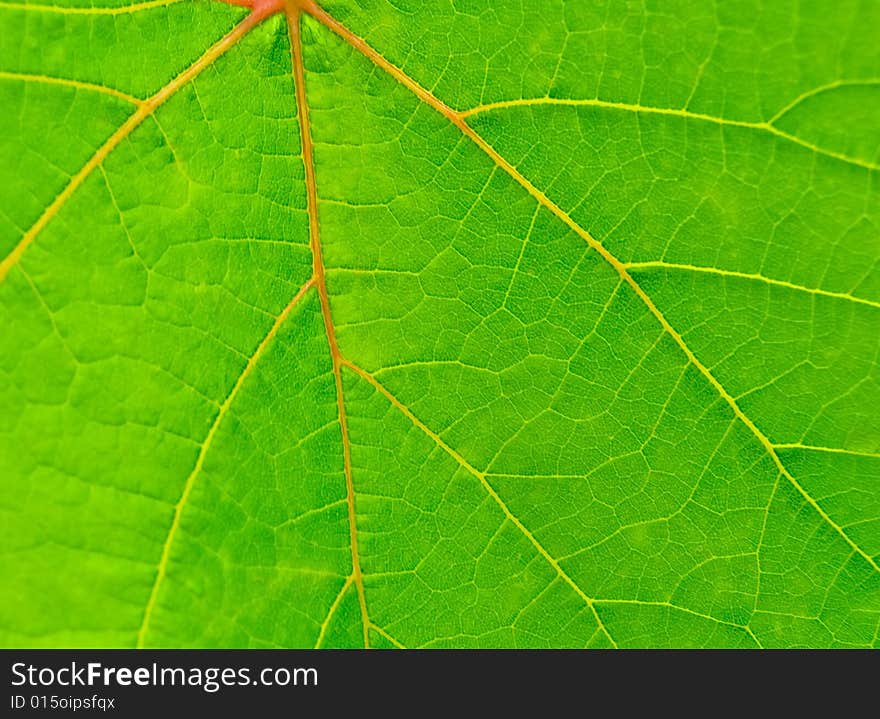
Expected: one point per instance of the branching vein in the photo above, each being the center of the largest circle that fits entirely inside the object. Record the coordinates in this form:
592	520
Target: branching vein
203	451
482	477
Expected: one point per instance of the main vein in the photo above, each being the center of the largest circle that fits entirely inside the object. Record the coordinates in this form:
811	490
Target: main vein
144	110
458	119
293	24
203	451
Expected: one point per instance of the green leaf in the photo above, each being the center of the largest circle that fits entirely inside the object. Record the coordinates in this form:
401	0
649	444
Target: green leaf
432	323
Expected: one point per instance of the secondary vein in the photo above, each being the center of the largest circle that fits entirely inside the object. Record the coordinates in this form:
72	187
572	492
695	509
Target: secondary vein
144	110
767	127
483	479
751	276
77	84
200	460
330	612
61	10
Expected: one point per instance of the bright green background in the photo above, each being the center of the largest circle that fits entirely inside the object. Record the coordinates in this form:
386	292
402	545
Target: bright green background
729	149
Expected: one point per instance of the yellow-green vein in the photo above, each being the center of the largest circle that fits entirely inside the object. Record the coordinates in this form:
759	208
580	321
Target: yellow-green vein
200	459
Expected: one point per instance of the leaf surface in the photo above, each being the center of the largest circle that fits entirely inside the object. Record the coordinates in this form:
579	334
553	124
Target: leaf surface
433	324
